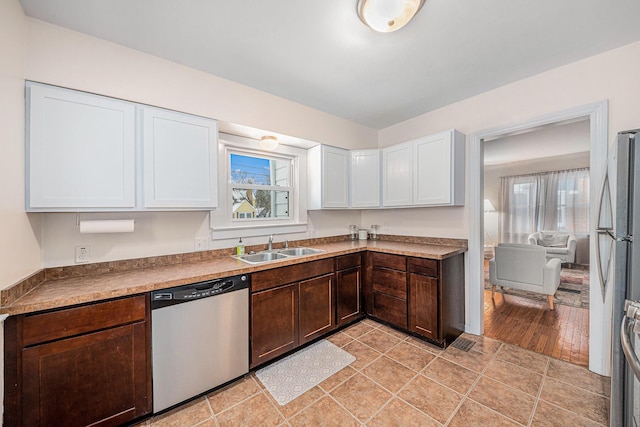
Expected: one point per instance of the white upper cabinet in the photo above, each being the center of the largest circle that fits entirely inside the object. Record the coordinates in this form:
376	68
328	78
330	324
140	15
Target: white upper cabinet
438	169
88	152
365	179
328	177
427	171
80	151
397	175
180	157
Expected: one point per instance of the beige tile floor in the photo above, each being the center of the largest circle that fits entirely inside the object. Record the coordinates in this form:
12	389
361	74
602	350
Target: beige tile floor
398	380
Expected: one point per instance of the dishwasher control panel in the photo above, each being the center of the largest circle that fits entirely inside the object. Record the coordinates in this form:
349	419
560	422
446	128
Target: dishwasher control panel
198	290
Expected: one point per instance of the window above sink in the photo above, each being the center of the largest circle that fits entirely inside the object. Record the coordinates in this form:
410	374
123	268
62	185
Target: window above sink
264	192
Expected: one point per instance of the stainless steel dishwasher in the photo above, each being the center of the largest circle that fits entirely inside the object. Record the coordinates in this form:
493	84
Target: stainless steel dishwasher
199	338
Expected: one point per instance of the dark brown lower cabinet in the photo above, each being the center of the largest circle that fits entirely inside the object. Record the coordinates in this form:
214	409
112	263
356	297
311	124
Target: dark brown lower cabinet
316	312
436	298
420	295
423	309
274	323
286	315
80	366
349	298
386	288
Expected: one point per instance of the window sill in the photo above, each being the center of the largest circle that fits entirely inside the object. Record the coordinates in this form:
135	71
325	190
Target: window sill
233	232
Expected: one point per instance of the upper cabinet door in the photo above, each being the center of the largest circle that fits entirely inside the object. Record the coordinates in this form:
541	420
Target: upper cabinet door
80	151
365	179
438	163
328	177
180	160
335	177
397	175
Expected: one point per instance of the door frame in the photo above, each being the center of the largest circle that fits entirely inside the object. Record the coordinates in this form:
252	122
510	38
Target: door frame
599	311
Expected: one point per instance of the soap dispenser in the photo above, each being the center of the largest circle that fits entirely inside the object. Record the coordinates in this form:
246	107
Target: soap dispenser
240	248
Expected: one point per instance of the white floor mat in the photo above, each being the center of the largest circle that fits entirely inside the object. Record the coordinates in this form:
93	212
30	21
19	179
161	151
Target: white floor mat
290	377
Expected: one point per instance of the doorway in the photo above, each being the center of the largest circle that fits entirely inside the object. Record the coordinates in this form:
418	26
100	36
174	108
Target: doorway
600	308
533	181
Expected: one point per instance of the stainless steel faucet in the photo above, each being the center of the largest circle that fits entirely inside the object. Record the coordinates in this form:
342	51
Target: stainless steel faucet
270	243
286	244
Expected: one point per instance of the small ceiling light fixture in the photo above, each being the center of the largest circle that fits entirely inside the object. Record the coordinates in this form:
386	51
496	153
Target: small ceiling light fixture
386	16
269	142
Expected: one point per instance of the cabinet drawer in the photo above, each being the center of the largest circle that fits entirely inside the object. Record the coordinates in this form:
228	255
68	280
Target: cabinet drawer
428	267
390	309
390	282
281	276
78	320
347	261
395	262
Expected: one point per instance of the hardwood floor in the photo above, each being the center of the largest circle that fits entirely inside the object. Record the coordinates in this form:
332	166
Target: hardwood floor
562	333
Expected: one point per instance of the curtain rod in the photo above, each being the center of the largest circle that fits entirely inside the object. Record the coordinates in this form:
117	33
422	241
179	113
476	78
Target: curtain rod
547	173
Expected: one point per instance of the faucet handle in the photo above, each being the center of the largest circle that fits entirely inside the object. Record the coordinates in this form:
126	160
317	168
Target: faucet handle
286	244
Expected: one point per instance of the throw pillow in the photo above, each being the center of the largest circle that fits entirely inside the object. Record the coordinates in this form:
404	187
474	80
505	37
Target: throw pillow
553	240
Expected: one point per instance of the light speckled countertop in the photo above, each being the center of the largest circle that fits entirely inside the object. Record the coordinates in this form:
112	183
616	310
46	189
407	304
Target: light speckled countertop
90	288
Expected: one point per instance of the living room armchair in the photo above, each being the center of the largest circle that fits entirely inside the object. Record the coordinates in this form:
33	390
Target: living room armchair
556	244
524	267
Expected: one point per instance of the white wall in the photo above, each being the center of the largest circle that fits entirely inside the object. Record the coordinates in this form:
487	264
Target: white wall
66	58
19	246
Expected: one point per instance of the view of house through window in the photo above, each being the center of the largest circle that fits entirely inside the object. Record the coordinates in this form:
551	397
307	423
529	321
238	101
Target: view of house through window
260	186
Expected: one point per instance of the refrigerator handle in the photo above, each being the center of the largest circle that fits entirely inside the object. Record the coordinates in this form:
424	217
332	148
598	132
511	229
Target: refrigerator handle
604	226
630	324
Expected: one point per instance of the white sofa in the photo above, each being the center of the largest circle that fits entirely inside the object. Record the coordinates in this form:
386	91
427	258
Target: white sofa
557	244
524	267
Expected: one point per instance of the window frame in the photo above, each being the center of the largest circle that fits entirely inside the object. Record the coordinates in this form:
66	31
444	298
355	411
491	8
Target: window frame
220	223
231	186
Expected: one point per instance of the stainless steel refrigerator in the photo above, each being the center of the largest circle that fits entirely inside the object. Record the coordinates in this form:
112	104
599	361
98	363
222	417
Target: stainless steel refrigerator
625	236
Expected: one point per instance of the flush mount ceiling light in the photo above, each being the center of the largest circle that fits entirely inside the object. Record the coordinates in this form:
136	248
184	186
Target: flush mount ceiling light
386	16
269	142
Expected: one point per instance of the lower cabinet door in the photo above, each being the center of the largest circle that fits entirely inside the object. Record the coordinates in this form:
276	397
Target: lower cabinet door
94	379
423	306
274	323
349	300
316	307
390	309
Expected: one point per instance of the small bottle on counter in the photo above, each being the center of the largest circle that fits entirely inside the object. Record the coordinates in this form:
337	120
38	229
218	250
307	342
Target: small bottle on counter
353	232
374	232
240	248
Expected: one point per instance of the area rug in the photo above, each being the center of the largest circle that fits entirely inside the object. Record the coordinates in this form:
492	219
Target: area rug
573	290
290	377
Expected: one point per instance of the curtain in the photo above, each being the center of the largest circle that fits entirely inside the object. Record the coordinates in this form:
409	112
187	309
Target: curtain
556	200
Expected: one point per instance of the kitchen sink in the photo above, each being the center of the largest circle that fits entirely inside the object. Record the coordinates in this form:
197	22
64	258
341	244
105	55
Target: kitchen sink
276	254
261	257
299	251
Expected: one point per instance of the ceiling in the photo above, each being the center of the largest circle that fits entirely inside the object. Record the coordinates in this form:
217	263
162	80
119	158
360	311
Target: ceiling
552	140
318	53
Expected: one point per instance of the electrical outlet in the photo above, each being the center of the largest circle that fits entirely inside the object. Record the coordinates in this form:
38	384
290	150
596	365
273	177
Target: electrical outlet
202	243
83	253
